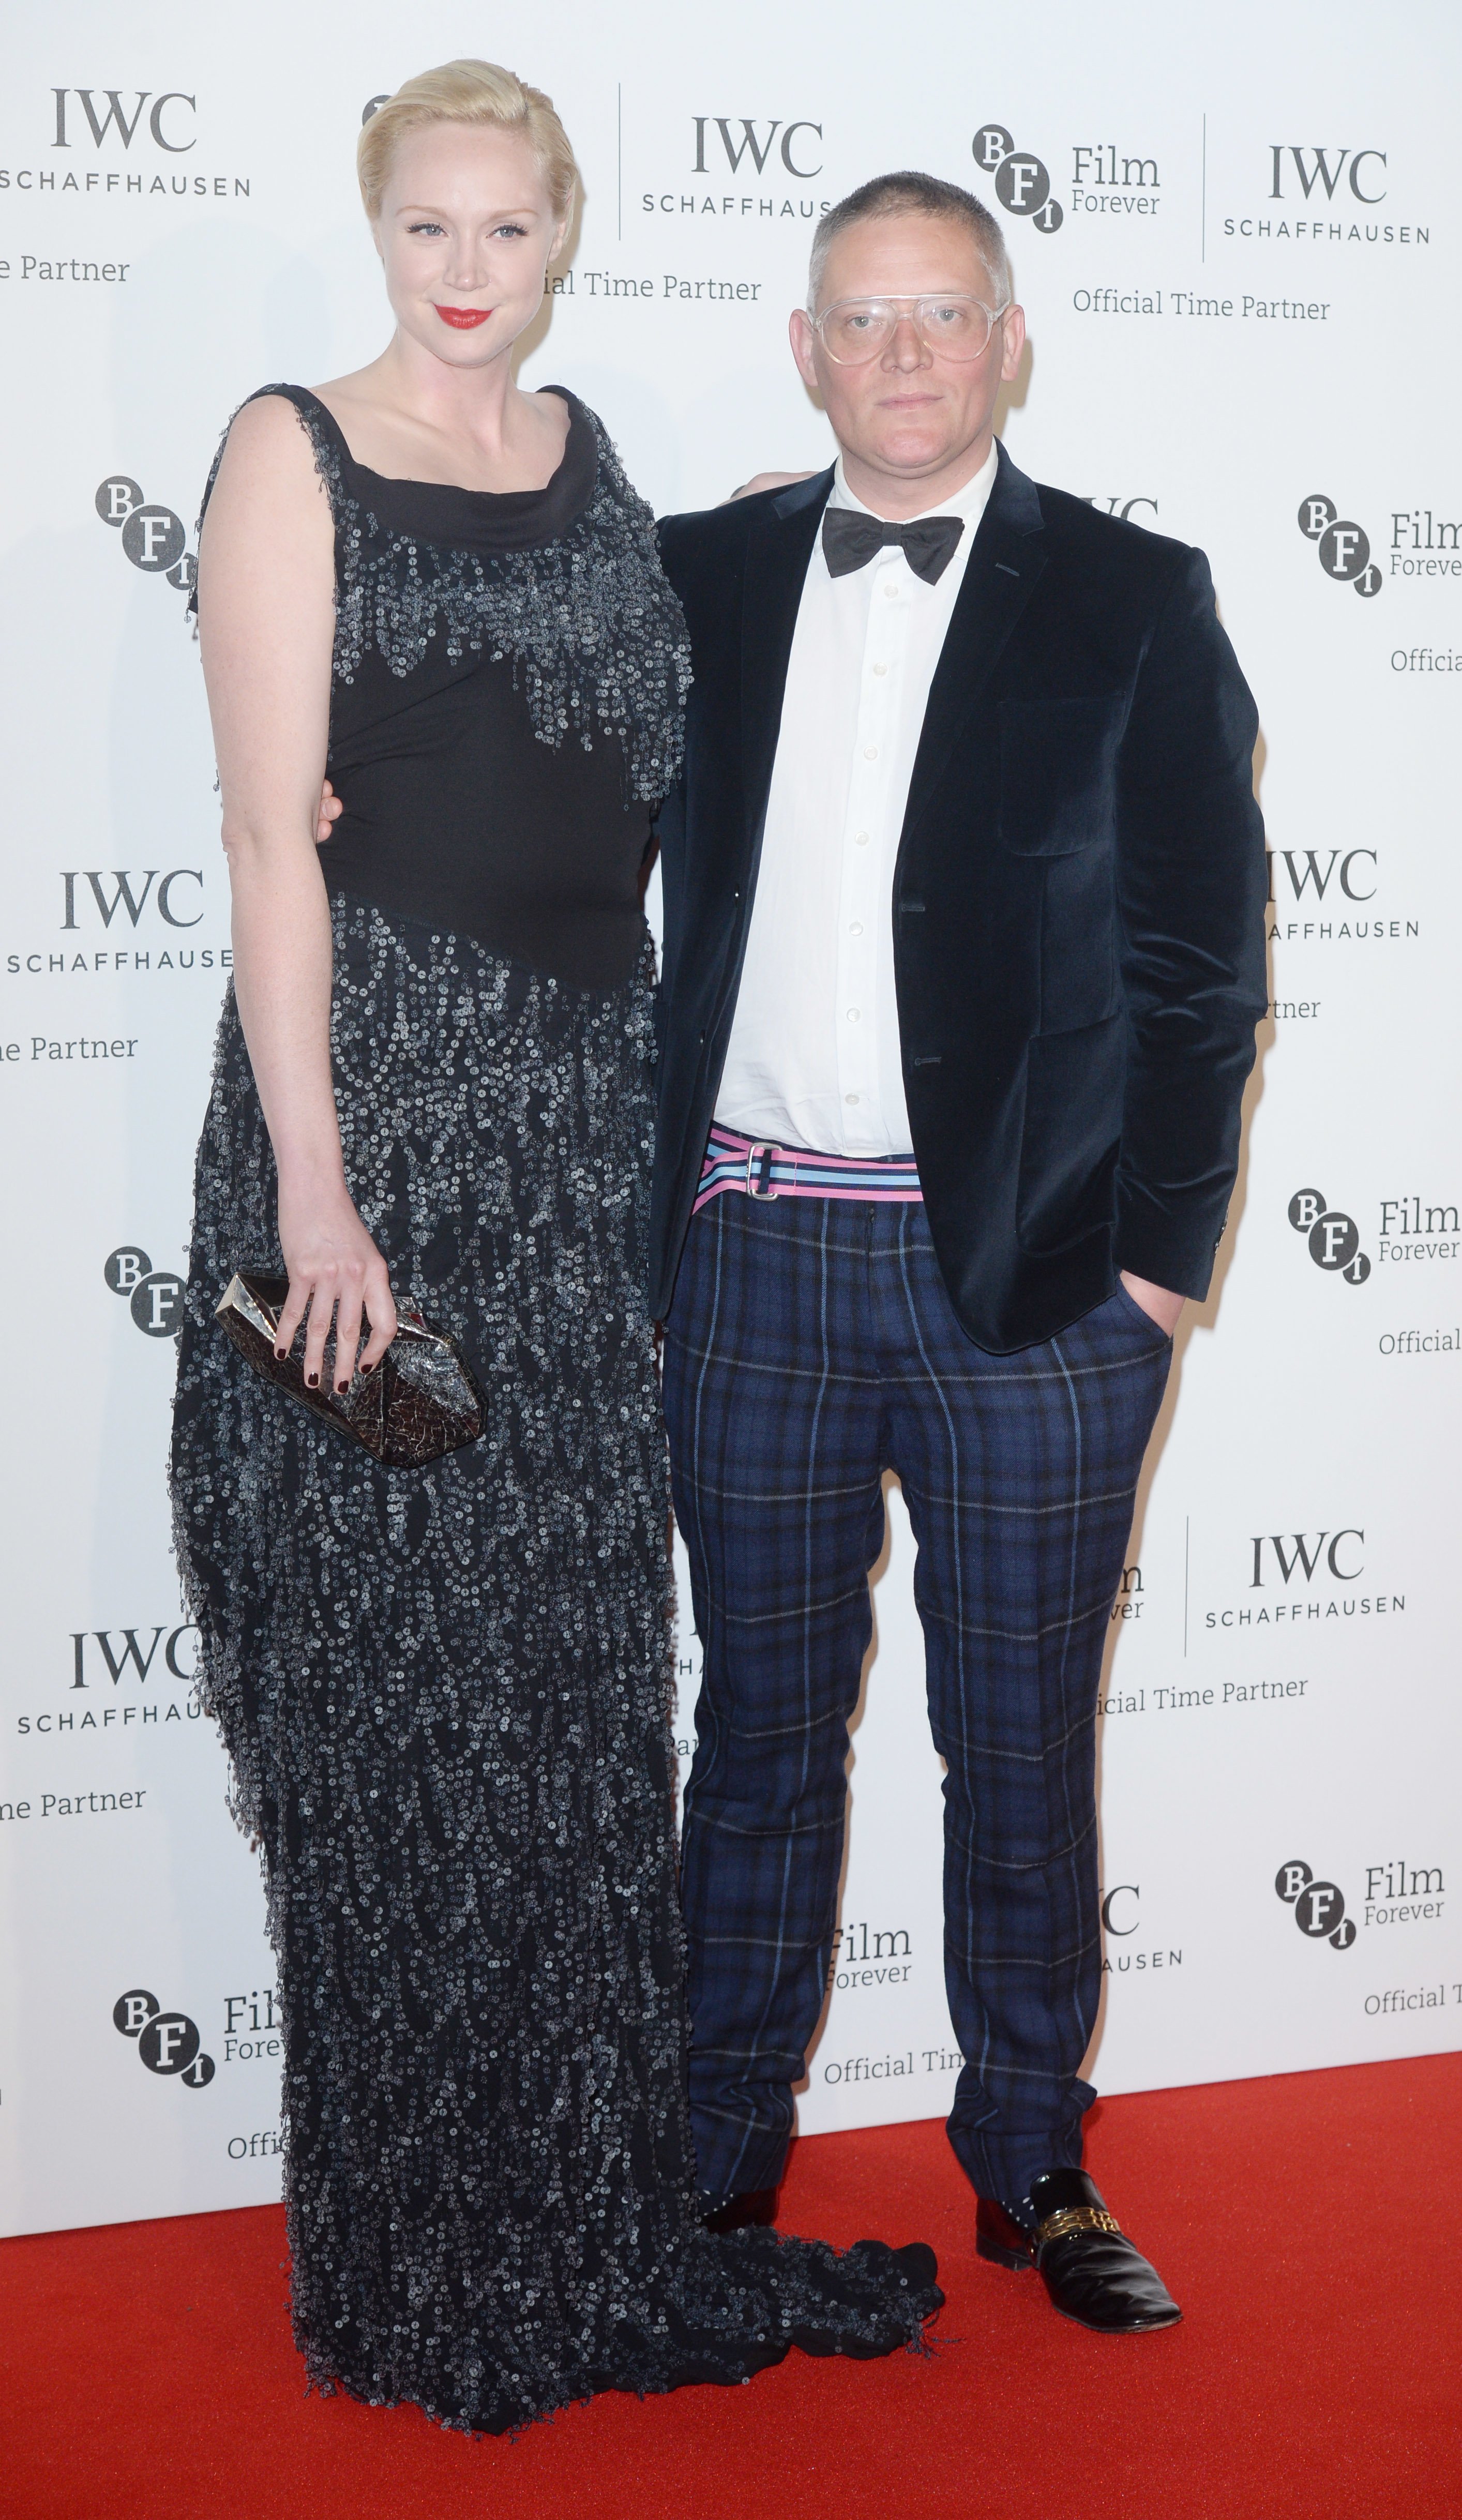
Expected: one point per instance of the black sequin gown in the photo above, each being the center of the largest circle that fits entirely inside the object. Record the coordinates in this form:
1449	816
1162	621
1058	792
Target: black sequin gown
445	1694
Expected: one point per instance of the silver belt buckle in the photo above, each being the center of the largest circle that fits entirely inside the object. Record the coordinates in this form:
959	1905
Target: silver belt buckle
753	1156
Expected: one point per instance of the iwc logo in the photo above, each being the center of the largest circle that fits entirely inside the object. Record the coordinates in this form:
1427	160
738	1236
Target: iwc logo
1120	1919
1319	1906
1331	194
757	153
1345	548
1332	1239
167	2043
1119	506
1023	185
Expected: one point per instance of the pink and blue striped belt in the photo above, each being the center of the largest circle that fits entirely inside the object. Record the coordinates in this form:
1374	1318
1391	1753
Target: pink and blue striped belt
763	1171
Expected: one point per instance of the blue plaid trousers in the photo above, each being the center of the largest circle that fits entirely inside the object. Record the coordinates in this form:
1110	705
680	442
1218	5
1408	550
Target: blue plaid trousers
812	1346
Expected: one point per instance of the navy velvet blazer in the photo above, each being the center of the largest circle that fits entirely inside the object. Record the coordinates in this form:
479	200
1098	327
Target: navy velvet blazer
1079	900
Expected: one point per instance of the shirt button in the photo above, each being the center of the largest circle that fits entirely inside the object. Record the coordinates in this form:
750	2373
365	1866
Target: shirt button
856	928
861	840
880	669
890	588
853	1015
849	1098
870	752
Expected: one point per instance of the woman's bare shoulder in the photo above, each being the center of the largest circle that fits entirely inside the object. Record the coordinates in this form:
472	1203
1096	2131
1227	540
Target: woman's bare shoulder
267	420
267	449
362	384
355	397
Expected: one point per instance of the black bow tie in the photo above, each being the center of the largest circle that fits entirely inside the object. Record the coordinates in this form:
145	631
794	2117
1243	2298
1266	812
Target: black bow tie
851	540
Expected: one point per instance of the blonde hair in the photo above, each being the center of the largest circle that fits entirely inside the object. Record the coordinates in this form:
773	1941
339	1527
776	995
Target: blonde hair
472	92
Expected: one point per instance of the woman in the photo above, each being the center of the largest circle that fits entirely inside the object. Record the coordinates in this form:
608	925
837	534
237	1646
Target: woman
445	1692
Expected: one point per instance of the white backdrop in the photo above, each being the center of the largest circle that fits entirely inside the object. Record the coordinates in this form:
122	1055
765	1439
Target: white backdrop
1238	235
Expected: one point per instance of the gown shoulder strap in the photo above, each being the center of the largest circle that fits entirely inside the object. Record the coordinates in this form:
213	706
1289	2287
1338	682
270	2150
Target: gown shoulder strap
332	455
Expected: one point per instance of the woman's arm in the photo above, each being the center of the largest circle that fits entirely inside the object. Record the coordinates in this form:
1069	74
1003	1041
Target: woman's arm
267	624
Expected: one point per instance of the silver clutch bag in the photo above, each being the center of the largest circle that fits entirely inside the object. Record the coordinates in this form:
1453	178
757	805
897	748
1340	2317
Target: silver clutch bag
422	1401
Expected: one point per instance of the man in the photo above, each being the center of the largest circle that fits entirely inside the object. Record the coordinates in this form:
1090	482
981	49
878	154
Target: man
964	951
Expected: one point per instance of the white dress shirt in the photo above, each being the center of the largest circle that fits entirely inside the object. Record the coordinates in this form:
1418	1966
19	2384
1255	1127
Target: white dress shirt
813	1060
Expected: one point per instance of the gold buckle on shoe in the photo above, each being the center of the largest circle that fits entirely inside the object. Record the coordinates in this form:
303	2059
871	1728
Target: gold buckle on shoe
1060	2225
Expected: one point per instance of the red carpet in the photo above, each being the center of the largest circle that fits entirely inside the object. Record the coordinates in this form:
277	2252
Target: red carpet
1309	2226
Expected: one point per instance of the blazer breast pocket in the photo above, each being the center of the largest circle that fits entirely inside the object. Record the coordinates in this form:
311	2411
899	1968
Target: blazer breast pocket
1058	773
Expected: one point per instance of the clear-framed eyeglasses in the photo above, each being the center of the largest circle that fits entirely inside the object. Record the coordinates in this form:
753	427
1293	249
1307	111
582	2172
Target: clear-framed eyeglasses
857	328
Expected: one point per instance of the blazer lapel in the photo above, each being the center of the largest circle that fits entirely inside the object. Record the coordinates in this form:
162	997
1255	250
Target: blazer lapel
999	581
779	547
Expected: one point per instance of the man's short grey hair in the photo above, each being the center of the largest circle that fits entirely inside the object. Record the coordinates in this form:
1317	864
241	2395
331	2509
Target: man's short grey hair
927	197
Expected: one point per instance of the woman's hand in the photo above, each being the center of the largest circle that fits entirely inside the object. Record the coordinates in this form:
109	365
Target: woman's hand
336	1270
331	808
765	481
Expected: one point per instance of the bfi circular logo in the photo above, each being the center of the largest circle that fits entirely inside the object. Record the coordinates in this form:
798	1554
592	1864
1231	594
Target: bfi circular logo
167	2043
1345	548
154	540
1331	1238
1023	185
1319	1906
155	1296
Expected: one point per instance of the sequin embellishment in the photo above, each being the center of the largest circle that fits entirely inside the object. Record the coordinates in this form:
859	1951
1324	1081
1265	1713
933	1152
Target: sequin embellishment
445	1692
588	621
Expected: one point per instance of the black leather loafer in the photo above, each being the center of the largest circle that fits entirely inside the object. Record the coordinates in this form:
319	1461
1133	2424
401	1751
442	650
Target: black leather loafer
733	2213
1089	2268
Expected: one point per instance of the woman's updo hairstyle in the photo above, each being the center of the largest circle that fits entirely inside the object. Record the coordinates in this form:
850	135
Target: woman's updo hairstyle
472	92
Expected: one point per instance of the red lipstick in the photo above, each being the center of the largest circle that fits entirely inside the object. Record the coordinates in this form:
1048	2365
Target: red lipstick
464	318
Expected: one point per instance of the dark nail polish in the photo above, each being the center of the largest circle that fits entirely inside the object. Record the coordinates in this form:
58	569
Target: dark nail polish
368	1369
281	1353
312	1379
343	1387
